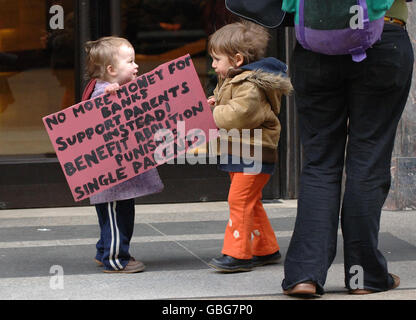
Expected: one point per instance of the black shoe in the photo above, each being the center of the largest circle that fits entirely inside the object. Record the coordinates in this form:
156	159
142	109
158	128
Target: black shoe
269	259
230	264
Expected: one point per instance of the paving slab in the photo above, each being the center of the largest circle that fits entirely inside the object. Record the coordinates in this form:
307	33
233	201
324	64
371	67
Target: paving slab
38	247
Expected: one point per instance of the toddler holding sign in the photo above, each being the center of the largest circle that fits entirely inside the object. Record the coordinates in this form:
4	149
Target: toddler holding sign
248	97
110	63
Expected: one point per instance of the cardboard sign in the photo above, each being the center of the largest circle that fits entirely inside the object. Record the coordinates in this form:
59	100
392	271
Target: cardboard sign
114	137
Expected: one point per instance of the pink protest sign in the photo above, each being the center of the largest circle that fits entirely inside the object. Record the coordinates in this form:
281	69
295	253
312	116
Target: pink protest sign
114	137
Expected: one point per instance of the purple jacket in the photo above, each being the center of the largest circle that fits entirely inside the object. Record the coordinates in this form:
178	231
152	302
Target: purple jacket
144	184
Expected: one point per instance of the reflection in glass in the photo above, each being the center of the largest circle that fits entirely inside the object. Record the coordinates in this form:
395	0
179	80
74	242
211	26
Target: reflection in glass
162	30
36	72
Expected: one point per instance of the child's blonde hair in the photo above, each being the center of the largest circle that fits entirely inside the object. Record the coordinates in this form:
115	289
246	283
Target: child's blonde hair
247	38
101	53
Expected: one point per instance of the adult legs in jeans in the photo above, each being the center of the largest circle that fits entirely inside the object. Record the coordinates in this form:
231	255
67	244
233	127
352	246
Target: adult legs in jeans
331	93
323	127
376	105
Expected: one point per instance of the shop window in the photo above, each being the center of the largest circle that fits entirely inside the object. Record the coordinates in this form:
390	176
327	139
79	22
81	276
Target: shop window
162	30
36	71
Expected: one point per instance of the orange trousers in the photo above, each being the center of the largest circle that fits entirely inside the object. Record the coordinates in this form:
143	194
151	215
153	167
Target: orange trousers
249	231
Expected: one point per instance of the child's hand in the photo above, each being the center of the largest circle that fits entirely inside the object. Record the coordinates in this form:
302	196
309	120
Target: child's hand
211	101
112	88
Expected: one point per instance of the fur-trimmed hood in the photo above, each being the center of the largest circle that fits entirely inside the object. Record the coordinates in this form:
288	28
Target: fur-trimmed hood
270	81
268	74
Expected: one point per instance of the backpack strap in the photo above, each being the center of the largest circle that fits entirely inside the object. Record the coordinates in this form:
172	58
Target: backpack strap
302	37
89	89
358	53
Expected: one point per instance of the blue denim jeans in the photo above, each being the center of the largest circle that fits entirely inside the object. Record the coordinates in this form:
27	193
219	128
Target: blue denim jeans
348	114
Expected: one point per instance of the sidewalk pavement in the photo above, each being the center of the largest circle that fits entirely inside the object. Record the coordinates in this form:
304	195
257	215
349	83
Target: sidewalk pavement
47	254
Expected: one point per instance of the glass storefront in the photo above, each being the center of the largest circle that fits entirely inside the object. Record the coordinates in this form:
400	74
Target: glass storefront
162	30
36	71
37	75
41	72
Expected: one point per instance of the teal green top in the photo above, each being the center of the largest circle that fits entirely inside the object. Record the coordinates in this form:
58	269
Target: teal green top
376	8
